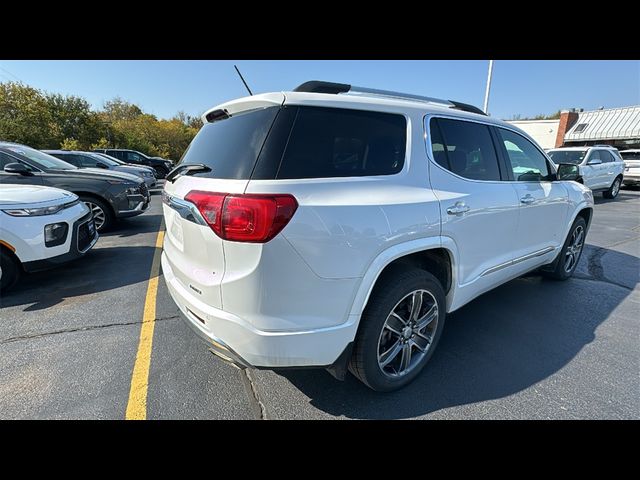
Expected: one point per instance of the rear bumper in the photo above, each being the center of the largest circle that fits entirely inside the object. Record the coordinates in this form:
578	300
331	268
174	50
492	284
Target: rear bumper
631	178
238	341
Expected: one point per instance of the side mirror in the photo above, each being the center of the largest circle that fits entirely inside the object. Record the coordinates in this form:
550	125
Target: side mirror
595	161
18	168
568	171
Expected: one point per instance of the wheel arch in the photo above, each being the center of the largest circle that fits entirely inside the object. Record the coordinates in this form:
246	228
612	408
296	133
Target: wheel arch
437	255
4	248
97	197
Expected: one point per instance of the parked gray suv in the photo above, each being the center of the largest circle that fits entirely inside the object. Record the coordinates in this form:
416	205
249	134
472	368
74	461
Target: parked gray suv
110	195
96	160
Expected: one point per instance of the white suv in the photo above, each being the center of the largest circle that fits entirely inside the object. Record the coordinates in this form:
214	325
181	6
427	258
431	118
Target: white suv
334	226
41	227
631	166
601	167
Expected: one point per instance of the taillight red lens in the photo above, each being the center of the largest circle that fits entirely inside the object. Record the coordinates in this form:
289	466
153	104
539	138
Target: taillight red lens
244	218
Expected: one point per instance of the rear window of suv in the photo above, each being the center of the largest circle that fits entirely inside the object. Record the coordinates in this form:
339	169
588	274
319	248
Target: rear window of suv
292	142
230	146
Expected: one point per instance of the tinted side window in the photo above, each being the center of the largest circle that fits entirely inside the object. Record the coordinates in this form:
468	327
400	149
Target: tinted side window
595	155
469	149
336	142
86	161
527	162
606	157
65	157
437	146
5	160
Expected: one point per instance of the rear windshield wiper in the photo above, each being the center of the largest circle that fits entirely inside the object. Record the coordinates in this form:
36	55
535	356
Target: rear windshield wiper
185	170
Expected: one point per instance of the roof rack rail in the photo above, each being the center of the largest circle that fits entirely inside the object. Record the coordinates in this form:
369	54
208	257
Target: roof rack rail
317	86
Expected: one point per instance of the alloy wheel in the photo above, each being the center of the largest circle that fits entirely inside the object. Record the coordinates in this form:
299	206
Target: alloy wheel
407	333
573	249
615	188
99	216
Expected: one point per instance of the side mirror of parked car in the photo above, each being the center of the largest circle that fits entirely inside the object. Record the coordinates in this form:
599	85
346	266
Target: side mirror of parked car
17	168
595	161
568	171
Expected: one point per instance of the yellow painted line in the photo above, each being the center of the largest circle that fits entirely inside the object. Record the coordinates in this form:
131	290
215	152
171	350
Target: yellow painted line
137	405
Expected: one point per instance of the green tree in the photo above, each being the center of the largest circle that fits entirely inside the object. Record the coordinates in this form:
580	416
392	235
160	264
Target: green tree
25	116
70	144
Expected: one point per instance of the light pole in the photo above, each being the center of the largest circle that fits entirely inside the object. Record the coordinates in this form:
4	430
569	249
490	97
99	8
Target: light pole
486	93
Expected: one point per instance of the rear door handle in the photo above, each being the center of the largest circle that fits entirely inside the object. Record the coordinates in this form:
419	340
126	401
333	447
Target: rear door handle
527	199
458	209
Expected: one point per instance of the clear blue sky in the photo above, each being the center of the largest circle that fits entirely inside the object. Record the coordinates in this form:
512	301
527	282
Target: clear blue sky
165	87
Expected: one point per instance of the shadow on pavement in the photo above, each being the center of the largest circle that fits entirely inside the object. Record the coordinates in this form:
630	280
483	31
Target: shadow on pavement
501	343
128	227
623	196
101	269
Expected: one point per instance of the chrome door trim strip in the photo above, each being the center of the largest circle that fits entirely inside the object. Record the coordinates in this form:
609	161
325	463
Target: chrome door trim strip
524	258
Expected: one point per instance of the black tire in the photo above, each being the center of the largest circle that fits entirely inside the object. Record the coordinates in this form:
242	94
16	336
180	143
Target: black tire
109	217
388	292
560	272
614	189
9	271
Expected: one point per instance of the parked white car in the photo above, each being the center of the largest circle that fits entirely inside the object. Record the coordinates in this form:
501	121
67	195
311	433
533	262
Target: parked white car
601	167
334	226
631	166
41	227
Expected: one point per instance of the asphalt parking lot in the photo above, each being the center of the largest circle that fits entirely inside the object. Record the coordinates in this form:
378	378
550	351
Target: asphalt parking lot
533	348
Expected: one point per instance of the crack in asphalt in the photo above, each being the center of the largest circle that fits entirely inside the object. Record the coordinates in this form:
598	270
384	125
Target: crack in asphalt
252	393
81	329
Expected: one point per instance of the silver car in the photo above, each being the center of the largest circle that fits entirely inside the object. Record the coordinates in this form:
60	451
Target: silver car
95	160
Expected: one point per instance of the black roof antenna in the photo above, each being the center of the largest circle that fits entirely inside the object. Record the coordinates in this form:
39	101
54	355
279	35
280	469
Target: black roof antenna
242	78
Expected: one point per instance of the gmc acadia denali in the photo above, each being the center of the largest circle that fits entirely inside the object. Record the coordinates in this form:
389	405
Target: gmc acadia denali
336	226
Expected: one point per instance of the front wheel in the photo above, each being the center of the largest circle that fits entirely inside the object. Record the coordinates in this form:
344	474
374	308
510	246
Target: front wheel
9	271
571	251
102	215
399	329
614	189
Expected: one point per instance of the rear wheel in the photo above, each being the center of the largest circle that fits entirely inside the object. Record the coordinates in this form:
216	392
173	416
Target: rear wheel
9	271
614	189
102	214
399	329
571	251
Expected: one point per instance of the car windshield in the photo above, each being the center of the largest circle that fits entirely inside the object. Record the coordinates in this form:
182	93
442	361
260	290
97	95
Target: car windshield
42	159
630	155
567	156
108	160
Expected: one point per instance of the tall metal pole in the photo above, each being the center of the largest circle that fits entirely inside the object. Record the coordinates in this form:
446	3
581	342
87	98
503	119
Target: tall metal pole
486	94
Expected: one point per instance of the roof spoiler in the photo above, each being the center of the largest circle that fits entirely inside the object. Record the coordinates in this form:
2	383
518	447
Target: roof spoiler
317	86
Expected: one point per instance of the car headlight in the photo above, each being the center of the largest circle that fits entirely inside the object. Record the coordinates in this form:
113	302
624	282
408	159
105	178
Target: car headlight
167	164
33	212
133	190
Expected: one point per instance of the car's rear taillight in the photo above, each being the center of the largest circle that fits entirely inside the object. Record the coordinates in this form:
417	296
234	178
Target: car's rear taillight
244	217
